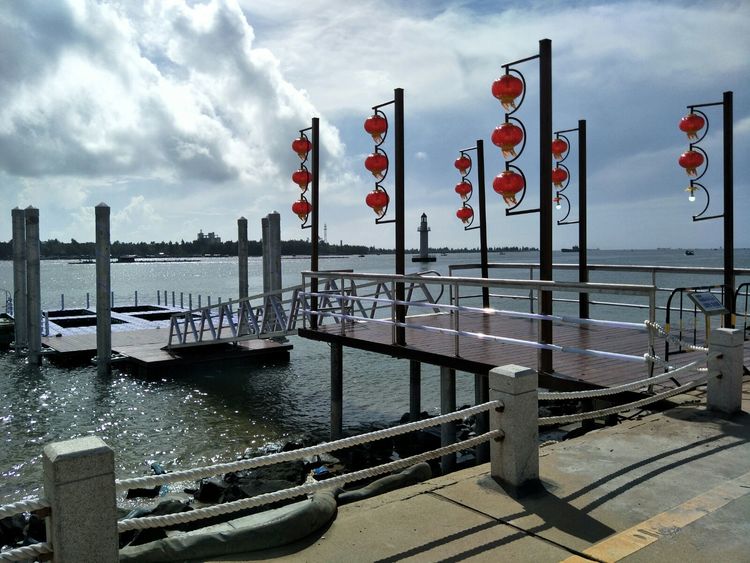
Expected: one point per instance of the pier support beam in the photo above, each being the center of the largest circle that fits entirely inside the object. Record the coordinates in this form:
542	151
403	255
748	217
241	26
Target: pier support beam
242	256
19	280
482	424
447	405
33	287
103	292
337	391
725	354
79	484
515	457
415	390
271	252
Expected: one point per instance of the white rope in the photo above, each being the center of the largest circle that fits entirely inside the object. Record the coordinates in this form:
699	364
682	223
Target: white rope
674	339
26	552
307	488
29	505
491	311
481	336
199	472
567	419
614	390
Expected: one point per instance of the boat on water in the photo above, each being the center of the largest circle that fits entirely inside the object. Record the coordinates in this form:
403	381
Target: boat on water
689	252
574	248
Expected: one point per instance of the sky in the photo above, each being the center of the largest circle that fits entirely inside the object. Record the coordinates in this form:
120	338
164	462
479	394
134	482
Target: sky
179	114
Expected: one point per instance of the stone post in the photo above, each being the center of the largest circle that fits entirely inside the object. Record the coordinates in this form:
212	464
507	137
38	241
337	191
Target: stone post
514	459
725	354
33	287
79	484
242	255
103	292
19	280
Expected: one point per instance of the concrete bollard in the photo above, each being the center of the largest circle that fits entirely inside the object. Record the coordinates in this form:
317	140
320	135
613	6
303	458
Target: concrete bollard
242	251
104	296
33	287
725	354
514	459
19	279
79	484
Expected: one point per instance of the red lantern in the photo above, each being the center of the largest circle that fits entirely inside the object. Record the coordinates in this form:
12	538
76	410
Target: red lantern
377	163
465	214
464	189
377	200
691	124
508	184
463	163
559	146
376	125
507	136
301	208
301	177
506	89
301	146
690	160
559	175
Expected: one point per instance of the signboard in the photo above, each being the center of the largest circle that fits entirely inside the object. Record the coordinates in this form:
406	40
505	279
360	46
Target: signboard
708	303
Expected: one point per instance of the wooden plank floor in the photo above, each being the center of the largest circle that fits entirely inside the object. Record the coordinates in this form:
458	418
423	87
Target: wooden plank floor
571	371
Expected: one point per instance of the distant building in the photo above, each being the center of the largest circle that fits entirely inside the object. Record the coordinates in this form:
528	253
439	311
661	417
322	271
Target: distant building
210	238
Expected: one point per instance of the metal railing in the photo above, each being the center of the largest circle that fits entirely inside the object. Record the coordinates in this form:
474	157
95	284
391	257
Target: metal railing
8	301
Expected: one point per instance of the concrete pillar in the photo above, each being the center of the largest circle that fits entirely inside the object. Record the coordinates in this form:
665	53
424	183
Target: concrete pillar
103	292
19	279
337	391
415	390
447	405
725	354
482	424
514	459
271	252
33	287
242	255
79	484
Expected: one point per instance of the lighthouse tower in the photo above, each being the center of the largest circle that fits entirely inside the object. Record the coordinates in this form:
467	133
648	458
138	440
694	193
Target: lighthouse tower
423	244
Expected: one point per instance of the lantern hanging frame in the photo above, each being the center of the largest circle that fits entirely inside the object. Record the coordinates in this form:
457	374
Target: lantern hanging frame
558	193
464	178
378	150
303	135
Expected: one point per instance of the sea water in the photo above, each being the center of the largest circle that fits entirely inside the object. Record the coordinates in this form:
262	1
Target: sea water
210	414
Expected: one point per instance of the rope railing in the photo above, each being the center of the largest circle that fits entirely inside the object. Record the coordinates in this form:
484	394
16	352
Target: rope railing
570	418
27	552
325	447
482	336
307	488
29	505
674	339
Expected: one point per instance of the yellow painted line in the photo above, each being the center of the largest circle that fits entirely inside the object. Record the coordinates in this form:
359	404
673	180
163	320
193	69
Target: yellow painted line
629	541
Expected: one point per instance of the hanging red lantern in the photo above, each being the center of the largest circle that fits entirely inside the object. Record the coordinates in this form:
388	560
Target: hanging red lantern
376	125
301	208
301	177
377	163
691	124
465	214
463	164
464	189
507	136
559	175
690	160
377	200
301	146
508	184
506	89
559	147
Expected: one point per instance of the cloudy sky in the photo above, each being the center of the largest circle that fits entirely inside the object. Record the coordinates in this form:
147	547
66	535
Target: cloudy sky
179	114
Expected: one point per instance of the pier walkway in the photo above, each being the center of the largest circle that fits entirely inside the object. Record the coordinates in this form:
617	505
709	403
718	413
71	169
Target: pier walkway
672	486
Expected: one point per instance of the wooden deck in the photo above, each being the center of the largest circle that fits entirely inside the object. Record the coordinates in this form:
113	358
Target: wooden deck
571	371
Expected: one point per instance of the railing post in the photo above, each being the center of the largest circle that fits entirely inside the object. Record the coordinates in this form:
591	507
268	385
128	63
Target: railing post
79	484
725	354
514	458
62	301
135	298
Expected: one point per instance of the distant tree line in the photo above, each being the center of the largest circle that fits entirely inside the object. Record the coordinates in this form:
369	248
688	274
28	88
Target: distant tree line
52	249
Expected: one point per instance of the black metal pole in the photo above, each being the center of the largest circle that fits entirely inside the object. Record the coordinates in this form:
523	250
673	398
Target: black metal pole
482	222
398	98
729	208
545	196
583	266
315	217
